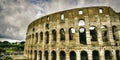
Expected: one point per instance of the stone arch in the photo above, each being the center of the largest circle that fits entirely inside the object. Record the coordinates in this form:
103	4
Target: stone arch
40	55
93	33
36	37
46	55
62	55
53	55
84	55
62	34
47	37
115	33
82	35
71	32
117	55
95	55
81	22
54	35
35	55
104	33
108	55
41	36
72	55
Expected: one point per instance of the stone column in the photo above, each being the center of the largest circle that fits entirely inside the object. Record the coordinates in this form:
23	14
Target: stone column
50	55
113	54
102	54
87	30
33	55
88	37
38	38
67	56
78	55
89	52
111	36
58	55
100	37
76	37
38	55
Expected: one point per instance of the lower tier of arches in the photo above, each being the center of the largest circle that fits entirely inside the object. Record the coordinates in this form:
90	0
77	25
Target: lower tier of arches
73	55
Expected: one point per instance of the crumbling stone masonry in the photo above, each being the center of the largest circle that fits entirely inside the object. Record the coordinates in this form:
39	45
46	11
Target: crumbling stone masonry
90	33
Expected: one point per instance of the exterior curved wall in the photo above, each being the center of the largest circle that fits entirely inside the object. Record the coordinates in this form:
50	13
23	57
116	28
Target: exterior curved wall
90	33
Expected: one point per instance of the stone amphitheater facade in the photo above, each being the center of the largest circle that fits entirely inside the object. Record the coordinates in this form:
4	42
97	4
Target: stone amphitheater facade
89	33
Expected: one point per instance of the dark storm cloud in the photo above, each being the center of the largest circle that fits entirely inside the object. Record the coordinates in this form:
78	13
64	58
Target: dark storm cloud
15	15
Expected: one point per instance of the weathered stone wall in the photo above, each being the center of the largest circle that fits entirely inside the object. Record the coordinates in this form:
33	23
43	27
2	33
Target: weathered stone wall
102	42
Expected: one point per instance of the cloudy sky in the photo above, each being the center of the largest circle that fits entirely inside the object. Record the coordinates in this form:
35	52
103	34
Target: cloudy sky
15	15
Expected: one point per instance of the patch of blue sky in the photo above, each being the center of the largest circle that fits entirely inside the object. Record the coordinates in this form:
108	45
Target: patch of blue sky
38	1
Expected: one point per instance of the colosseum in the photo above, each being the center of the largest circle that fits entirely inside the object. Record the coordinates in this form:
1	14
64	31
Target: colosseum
88	33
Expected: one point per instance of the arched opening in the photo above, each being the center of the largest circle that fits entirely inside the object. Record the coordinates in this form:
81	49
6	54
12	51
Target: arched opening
46	55
35	55
54	35
93	33
72	55
84	55
36	37
71	32
104	33
41	36
115	33
108	55
117	55
81	22
82	35
62	34
95	55
62	55
40	55
47	26
47	37
53	55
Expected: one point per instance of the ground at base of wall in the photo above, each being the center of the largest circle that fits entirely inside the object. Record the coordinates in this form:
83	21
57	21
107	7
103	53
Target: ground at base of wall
19	57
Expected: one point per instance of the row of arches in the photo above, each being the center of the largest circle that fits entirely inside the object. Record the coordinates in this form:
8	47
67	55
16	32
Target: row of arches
73	56
82	34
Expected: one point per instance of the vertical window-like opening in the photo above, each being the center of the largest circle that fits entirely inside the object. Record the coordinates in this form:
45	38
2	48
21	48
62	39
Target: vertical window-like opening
62	34
108	55
62	17
54	35
104	33
72	55
80	12
40	55
62	55
31	52
117	55
46	55
93	33
47	26
95	55
84	55
81	22
33	29
100	10
82	35
41	36
36	37
71	32
35	56
47	37
115	33
53	55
